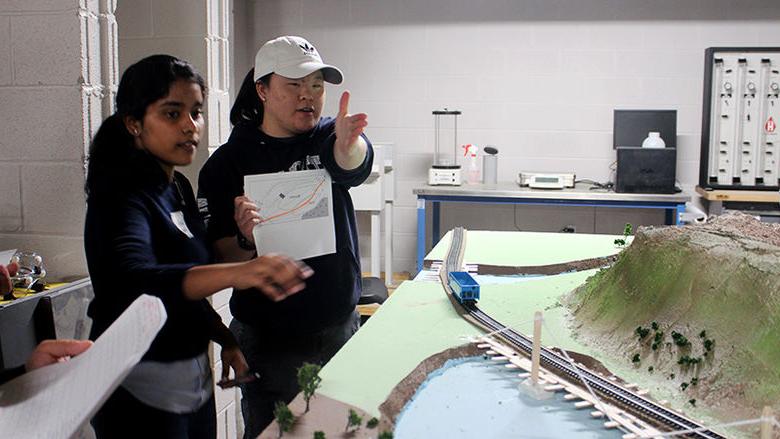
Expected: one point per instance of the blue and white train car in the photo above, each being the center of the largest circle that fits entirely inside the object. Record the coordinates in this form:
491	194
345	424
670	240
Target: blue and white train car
465	288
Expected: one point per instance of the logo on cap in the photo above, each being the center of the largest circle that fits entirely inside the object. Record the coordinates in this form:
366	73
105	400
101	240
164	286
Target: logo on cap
307	49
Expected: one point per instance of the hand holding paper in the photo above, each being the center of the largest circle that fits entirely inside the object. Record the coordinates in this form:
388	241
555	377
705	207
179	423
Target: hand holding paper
246	216
69	393
55	351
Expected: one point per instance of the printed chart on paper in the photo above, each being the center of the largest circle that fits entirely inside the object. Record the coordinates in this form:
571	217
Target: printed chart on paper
297	198
293	204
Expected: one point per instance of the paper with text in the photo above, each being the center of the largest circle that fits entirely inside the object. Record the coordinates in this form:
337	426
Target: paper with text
297	212
56	400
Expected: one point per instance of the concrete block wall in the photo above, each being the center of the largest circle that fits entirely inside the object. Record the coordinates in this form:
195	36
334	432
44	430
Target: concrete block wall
539	80
49	73
178	28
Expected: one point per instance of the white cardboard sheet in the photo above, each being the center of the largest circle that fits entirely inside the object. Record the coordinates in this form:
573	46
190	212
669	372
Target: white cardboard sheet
56	400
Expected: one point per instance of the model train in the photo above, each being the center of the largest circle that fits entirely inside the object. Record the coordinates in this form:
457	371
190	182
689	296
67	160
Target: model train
463	286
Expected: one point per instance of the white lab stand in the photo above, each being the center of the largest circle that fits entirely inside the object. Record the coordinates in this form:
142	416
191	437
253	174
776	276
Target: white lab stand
376	196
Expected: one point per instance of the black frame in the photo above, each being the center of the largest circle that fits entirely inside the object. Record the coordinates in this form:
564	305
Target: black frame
664	117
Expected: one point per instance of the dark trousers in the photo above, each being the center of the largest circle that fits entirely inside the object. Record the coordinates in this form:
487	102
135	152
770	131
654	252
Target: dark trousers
124	416
277	359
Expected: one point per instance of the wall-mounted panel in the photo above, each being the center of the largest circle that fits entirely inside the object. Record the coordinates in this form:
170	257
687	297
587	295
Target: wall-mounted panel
740	137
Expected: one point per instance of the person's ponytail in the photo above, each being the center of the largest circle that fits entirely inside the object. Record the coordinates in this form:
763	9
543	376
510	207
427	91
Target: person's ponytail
247	109
108	152
114	164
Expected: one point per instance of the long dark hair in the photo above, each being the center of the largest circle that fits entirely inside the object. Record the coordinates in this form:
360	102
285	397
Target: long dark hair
247	109
114	163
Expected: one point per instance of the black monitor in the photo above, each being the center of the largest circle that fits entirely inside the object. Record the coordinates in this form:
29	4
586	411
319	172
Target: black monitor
631	127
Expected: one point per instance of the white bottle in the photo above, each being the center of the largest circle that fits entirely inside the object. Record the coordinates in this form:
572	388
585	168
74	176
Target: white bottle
472	165
653	140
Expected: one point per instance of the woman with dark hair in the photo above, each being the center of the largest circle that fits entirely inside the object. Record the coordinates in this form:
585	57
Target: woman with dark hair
144	235
278	128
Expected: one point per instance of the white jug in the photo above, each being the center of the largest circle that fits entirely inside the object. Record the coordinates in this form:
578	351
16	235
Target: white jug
653	140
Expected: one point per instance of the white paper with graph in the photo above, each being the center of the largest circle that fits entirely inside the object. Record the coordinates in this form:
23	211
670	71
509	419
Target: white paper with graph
297	212
56	400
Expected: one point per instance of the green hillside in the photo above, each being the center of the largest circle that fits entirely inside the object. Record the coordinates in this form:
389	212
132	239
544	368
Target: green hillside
709	294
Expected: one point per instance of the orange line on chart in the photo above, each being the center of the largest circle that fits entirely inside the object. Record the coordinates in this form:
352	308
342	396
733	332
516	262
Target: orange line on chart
303	203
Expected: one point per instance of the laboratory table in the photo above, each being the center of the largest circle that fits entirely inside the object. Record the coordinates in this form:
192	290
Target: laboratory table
512	193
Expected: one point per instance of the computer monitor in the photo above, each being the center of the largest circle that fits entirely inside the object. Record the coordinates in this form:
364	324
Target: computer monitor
631	127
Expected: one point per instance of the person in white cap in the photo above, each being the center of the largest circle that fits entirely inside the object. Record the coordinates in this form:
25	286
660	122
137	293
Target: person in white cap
278	128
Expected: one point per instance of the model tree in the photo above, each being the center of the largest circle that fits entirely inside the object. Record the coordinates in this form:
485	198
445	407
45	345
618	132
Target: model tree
626	233
385	435
353	420
284	417
319	435
309	381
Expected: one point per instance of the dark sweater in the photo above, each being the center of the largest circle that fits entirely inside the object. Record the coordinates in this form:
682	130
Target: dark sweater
334	288
134	247
9	374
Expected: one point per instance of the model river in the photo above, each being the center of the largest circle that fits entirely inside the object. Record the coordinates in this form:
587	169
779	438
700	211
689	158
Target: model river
475	397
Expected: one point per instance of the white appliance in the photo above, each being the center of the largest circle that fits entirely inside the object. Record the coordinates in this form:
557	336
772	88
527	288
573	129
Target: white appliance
445	170
538	180
443	176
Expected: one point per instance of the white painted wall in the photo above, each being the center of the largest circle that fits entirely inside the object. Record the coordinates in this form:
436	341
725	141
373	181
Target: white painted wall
537	79
48	57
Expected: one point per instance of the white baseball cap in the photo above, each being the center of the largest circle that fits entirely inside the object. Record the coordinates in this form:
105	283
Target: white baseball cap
293	57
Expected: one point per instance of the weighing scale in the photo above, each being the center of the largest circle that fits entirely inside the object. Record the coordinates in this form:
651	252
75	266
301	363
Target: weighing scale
546	181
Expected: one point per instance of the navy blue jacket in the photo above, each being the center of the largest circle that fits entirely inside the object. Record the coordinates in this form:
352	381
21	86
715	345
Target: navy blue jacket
332	292
134	247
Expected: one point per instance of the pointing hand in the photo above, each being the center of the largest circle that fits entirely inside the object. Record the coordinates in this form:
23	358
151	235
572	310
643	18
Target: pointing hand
348	126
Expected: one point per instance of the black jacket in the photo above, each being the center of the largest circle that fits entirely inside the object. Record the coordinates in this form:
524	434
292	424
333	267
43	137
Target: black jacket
134	246
334	288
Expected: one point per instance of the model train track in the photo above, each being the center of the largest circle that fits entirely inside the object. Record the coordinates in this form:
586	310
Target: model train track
556	363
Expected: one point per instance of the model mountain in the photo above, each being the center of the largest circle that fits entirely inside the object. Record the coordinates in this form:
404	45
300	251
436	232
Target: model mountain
695	309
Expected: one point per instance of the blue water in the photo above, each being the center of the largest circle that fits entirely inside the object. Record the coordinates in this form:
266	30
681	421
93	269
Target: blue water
476	398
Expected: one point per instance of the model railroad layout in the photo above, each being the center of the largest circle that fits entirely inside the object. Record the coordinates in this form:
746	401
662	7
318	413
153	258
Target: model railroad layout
461	288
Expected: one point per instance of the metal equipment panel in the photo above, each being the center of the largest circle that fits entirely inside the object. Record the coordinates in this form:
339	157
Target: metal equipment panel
739	124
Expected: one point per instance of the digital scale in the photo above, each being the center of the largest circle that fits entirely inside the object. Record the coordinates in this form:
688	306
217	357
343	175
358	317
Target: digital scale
445	170
539	180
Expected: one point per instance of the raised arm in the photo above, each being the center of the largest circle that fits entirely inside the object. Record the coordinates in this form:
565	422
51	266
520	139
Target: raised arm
350	149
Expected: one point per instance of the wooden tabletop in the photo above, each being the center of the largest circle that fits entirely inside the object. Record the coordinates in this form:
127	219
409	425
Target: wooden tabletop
739	195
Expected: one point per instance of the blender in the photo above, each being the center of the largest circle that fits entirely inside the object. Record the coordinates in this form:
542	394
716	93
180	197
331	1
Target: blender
445	170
